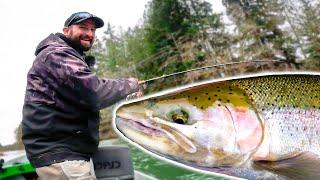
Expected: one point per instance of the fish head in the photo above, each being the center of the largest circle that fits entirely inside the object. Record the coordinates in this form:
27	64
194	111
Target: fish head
201	127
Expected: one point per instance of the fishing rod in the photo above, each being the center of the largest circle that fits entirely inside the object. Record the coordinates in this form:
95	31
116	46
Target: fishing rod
206	67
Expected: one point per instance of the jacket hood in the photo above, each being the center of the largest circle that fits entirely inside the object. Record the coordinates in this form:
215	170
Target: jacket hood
51	40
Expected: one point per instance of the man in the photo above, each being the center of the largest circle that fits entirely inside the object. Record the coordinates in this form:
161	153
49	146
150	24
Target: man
62	102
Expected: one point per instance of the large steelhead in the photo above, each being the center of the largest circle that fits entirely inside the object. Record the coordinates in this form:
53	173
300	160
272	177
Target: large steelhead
260	126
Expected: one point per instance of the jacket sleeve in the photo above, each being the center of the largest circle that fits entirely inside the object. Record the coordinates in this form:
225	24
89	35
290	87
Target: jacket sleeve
77	83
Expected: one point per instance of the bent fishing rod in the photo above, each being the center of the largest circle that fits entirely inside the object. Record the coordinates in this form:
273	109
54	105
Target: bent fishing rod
207	67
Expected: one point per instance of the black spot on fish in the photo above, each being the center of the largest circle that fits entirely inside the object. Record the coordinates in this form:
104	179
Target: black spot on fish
219	99
207	93
228	100
305	128
195	98
219	104
215	95
202	107
209	98
230	93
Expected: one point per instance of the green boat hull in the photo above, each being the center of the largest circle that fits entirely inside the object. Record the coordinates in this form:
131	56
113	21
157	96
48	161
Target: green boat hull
25	169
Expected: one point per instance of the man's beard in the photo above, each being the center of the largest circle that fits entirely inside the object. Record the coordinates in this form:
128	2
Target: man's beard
77	43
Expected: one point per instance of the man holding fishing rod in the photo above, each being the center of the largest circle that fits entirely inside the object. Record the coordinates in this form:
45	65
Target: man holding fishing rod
60	126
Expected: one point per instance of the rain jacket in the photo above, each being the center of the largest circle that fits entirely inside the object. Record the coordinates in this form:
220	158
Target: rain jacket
62	102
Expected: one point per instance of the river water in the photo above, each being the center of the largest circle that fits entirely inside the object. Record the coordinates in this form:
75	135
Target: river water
157	168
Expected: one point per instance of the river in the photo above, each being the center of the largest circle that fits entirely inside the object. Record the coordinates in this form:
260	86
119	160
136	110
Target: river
157	168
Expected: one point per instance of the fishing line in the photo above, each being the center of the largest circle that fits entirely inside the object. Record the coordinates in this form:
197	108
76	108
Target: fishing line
206	67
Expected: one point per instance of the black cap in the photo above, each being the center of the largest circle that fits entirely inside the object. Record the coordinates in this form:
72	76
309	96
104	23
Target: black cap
78	17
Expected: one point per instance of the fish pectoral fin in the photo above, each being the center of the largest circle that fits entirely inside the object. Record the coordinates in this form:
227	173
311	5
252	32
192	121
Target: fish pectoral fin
184	142
303	166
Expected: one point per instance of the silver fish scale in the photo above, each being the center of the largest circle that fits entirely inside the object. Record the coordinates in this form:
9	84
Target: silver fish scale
289	106
292	130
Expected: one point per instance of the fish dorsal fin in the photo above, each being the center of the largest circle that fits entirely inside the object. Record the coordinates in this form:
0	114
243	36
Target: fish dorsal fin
305	165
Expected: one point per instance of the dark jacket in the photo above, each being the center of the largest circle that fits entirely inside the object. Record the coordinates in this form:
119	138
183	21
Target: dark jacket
62	102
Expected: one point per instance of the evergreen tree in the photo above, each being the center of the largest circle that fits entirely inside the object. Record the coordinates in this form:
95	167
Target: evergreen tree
164	18
304	20
171	27
259	34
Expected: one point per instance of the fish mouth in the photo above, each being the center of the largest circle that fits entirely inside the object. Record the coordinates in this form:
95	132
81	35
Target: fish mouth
138	126
153	129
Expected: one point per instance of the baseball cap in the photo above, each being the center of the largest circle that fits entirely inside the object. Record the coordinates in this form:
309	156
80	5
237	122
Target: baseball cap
78	17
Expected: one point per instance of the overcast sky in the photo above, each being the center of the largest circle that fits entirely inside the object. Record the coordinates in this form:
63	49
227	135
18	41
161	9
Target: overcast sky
26	23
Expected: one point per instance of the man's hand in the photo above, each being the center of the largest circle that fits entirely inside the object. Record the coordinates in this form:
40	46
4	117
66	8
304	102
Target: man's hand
142	86
134	95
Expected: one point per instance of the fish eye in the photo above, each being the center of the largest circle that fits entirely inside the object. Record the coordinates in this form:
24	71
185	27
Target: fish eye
179	116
